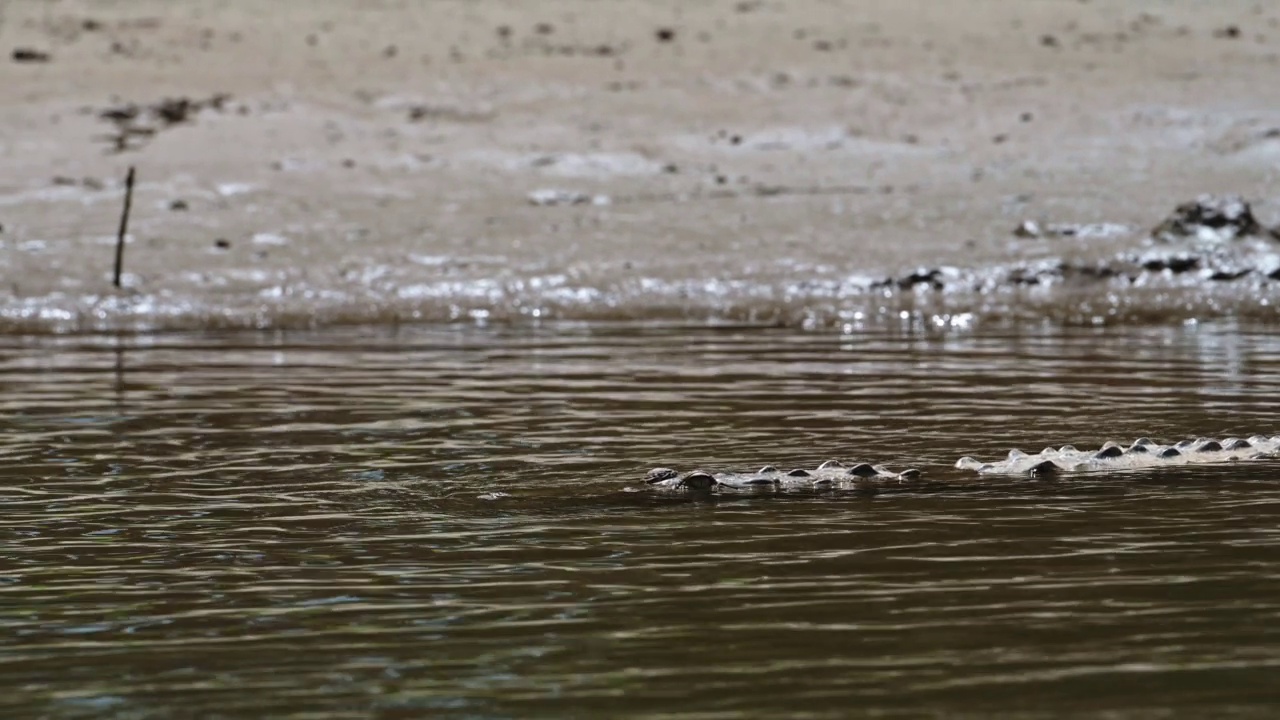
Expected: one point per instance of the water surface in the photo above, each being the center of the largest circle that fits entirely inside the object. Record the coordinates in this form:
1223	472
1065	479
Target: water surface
435	522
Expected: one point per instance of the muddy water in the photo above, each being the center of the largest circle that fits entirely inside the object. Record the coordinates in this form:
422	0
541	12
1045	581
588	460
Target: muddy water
314	525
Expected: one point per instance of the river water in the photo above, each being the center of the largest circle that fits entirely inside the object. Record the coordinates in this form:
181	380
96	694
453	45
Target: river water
435	522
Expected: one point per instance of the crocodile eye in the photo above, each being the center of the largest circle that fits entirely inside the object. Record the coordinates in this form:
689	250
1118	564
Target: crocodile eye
657	475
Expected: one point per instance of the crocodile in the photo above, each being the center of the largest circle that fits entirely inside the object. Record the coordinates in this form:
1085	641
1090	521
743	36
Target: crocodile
1143	453
831	474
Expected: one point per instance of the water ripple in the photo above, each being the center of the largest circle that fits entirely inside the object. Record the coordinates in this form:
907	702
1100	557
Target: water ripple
433	523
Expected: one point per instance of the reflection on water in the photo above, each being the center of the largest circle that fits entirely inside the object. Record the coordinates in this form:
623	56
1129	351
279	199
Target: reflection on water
432	522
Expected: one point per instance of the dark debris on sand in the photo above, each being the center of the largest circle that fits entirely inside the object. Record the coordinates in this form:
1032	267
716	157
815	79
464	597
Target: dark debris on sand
30	55
1211	239
1213	217
135	123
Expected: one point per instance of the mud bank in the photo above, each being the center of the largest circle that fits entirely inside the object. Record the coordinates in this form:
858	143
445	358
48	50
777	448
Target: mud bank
493	163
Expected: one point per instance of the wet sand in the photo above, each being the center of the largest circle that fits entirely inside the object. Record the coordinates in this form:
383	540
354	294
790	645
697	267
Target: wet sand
761	161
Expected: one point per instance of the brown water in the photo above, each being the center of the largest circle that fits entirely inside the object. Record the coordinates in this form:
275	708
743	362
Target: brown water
309	525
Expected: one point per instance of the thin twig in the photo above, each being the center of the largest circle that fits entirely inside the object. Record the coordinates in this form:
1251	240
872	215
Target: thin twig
124	224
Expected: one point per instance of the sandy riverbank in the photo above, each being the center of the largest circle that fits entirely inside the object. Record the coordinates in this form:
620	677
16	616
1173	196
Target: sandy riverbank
767	161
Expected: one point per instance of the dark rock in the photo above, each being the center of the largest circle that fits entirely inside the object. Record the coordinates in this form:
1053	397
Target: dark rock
29	55
1212	217
1028	229
1097	271
1169	453
665	34
831	464
179	205
1239	445
798	473
1023	276
767	469
1228	275
131	120
1176	264
1211	446
173	111
863	470
121	114
1084	231
225	244
920	277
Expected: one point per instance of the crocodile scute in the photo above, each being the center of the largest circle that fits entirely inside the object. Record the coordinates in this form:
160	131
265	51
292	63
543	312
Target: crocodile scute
831	474
1141	454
